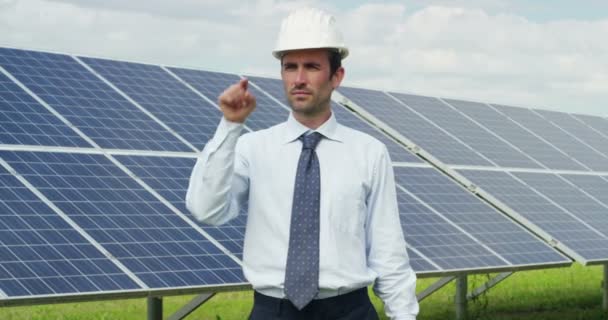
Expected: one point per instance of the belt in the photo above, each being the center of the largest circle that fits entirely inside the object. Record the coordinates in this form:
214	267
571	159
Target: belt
322	294
343	299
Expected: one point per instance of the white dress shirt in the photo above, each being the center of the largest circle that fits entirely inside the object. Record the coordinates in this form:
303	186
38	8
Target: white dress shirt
360	233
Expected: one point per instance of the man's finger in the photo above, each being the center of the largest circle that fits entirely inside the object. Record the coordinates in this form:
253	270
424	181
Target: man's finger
244	83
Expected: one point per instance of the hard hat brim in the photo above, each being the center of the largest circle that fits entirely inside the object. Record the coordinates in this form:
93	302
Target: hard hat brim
280	53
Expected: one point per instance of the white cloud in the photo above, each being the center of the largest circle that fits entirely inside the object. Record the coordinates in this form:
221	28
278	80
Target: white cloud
471	54
476	51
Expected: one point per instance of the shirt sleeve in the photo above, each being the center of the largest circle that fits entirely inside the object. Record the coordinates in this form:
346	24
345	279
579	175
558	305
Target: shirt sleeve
219	183
387	254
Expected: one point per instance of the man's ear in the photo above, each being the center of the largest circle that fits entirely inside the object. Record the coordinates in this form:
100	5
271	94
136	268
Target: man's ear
337	77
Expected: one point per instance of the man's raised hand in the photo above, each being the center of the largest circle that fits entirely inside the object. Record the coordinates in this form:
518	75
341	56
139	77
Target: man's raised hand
237	102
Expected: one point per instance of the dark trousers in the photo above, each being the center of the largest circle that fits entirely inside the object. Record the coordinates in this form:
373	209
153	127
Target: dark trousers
351	306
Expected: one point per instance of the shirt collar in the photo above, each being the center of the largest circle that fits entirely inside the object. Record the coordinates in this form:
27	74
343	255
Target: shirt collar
329	129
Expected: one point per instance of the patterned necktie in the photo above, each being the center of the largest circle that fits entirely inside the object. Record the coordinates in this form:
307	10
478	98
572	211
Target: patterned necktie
302	272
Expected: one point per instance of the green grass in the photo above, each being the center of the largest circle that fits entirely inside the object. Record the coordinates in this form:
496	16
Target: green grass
565	294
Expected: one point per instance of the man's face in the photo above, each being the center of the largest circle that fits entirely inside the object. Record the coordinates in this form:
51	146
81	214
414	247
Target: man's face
308	86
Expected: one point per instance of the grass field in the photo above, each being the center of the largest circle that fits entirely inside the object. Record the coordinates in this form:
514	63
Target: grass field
564	294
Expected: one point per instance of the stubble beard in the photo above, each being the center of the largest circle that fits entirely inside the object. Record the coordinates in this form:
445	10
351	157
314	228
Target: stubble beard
309	108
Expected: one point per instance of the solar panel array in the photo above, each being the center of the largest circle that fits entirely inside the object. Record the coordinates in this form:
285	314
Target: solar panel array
95	157
545	169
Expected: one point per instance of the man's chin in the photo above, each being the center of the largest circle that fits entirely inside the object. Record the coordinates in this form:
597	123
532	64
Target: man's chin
299	107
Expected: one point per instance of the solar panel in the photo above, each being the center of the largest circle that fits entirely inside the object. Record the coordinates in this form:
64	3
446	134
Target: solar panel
169	176
595	186
272	86
413	127
567	231
482	141
597	123
157	245
441	241
570	198
509	130
188	114
113	219
398	153
556	137
592	185
418	263
498	240
24	121
41	254
578	129
87	102
267	113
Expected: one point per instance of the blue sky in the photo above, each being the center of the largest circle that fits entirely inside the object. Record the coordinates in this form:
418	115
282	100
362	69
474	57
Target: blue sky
542	54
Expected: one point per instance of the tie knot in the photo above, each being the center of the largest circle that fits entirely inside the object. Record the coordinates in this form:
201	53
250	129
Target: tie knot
310	141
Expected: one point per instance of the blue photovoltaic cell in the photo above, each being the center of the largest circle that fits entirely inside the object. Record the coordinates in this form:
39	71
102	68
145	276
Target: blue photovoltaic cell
556	137
592	185
413	127
24	121
41	254
476	218
87	102
467	131
152	241
559	224
169	177
578	129
569	197
507	129
191	116
398	153
267	112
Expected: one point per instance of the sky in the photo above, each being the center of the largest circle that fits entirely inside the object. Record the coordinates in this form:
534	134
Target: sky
541	54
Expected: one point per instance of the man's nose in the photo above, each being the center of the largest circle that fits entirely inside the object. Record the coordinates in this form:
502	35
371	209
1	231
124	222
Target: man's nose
300	77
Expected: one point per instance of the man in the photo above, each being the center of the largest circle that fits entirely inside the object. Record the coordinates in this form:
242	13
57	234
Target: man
323	221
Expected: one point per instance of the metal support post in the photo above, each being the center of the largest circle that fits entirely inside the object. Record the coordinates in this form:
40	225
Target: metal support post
191	306
486	286
605	286
461	297
434	287
155	308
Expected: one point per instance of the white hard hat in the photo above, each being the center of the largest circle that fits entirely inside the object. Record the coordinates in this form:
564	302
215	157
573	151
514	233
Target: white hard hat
309	29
